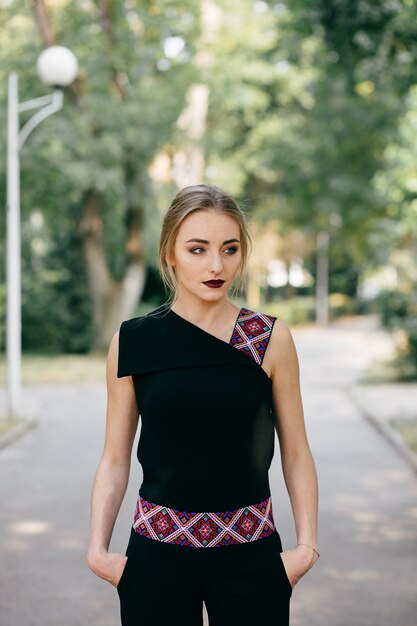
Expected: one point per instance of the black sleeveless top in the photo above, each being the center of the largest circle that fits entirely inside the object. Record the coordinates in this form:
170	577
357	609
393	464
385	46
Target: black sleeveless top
207	433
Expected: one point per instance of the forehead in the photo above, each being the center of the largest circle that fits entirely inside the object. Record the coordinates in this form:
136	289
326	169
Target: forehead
204	221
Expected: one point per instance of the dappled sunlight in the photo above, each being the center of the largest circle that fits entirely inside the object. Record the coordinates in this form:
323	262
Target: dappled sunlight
354	575
70	543
371	526
367	537
346	360
380	478
347	501
30	527
364	516
396	533
15	544
380	535
412	511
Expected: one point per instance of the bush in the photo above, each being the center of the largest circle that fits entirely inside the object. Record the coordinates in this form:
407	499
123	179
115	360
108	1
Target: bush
298	310
341	304
398	310
393	307
302	309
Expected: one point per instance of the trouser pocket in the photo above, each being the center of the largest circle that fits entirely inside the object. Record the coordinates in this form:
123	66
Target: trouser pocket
277	555
123	577
284	571
125	574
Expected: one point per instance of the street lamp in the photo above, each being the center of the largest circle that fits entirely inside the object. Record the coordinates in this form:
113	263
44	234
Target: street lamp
58	67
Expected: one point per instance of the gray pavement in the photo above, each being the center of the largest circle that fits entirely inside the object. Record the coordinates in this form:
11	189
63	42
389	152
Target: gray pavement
367	572
384	405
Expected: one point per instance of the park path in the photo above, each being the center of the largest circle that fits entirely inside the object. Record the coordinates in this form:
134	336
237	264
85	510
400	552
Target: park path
367	572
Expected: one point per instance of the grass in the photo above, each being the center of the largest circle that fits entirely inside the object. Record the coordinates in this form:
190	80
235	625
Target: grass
394	370
71	369
408	431
7	424
64	369
381	372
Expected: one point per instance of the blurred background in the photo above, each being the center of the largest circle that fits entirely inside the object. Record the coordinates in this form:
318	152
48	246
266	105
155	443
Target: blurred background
306	112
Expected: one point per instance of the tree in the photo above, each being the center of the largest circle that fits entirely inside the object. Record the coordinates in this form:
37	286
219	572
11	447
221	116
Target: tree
94	157
305	97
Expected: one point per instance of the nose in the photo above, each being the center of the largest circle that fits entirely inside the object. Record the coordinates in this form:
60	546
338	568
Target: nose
216	263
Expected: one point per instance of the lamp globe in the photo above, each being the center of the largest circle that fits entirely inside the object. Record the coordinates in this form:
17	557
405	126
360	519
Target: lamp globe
57	66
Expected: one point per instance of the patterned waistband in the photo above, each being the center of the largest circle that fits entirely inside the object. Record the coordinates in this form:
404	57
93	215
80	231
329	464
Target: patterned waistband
204	529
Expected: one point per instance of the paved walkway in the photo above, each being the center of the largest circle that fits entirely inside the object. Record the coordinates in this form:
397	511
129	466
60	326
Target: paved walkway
367	574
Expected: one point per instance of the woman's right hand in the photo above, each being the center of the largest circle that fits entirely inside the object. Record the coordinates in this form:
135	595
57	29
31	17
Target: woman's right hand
109	566
297	562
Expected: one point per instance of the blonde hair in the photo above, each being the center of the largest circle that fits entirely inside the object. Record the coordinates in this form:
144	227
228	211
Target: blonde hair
199	198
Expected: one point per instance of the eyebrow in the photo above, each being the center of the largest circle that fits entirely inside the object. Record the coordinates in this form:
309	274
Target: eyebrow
205	241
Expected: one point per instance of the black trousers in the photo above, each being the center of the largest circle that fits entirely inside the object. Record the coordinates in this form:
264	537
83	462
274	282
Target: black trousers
163	584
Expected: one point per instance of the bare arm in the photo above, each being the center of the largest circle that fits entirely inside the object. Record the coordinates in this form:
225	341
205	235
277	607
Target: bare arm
112	475
297	462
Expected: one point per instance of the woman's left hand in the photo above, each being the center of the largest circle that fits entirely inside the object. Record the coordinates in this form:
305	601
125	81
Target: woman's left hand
297	562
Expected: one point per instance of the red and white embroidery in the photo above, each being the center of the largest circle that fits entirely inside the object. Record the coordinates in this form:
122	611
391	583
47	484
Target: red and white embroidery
252	333
204	529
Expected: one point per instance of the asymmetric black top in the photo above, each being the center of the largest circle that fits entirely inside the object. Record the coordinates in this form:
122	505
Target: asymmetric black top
207	433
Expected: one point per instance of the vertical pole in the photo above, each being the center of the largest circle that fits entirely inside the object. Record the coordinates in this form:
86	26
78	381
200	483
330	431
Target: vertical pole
13	339
322	278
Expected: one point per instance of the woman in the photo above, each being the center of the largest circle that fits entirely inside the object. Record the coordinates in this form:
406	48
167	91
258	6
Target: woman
211	383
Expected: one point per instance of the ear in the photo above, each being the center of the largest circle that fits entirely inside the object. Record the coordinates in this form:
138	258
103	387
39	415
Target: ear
169	260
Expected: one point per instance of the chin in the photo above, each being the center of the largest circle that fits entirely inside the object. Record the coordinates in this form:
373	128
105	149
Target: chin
217	294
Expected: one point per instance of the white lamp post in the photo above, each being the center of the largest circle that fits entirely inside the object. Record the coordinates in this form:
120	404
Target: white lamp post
57	66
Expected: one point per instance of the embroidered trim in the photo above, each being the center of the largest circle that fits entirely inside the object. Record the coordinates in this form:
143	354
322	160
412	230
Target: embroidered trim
204	529
252	333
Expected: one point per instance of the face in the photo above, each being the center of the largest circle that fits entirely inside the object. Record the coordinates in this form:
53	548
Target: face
207	248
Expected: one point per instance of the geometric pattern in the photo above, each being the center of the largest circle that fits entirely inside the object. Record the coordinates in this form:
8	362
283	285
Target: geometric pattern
252	333
204	529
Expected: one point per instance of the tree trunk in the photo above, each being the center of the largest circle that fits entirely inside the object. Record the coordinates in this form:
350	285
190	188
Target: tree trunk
111	301
322	279
189	161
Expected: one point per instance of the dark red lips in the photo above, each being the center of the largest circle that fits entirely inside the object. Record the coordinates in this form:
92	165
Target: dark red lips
214	284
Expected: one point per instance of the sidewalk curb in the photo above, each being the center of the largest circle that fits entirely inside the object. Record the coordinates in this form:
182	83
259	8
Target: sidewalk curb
18	431
393	437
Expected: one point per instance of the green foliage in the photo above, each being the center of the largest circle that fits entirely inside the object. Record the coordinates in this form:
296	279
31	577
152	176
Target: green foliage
300	118
301	310
394	307
122	110
312	120
293	311
399	312
407	428
55	296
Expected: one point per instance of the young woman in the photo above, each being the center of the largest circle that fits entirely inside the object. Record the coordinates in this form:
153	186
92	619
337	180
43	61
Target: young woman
211	383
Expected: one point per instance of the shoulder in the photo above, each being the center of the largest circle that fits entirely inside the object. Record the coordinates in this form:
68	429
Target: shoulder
281	352
136	328
139	340
257	319
262	323
146	321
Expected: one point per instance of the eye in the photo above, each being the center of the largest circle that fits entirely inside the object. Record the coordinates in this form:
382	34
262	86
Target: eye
228	251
